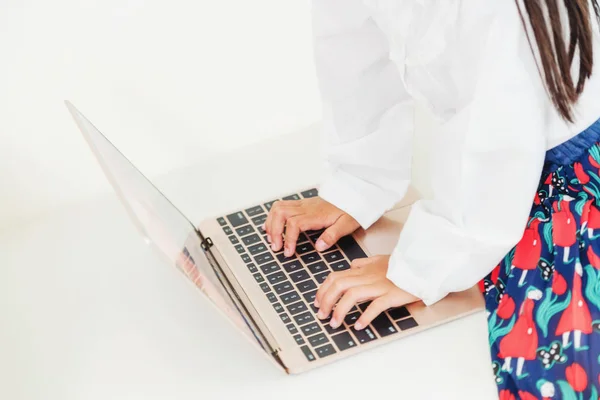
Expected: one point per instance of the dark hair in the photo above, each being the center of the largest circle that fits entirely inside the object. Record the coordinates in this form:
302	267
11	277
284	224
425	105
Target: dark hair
556	60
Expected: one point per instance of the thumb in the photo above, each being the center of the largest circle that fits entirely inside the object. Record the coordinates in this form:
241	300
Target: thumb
345	225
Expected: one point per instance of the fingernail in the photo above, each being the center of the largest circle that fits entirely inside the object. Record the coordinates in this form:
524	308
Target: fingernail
263	226
274	247
268	238
288	252
334	323
316	303
320	245
321	314
358	326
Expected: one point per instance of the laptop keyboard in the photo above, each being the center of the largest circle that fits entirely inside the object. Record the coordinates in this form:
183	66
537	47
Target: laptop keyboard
290	283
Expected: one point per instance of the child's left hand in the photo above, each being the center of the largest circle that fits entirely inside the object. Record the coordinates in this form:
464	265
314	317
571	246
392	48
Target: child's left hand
365	280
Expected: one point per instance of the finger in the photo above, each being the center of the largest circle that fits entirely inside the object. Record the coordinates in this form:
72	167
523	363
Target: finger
345	225
327	283
278	203
279	216
350	298
337	288
376	307
293	227
360	262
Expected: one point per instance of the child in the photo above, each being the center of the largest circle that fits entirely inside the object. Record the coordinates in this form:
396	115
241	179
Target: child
516	185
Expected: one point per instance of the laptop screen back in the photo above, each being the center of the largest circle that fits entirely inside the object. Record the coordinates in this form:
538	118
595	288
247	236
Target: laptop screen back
163	226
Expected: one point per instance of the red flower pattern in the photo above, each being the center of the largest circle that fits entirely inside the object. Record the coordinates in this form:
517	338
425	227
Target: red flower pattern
577	377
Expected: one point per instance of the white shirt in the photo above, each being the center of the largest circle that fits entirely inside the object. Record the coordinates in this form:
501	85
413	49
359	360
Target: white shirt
470	62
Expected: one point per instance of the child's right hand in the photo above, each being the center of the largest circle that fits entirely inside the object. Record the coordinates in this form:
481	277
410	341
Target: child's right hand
303	215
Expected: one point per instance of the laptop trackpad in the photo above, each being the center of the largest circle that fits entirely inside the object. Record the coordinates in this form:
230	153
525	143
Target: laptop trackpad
382	236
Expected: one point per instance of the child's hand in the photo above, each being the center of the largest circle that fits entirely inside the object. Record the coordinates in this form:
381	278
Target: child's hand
303	215
366	280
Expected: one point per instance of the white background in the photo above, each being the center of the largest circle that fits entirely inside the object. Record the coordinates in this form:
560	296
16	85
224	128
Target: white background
168	83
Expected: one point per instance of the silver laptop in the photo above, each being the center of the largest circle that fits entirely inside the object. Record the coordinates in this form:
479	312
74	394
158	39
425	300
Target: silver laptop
266	296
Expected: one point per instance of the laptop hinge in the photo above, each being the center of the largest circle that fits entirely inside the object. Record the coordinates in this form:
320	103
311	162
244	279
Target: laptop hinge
206	244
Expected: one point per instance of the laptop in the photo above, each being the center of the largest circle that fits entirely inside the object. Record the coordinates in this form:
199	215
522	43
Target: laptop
266	296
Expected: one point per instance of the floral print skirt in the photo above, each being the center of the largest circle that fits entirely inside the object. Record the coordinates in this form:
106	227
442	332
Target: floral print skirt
543	299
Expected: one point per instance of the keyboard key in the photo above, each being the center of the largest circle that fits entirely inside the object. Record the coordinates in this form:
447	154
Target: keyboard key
237	219
283	287
318	340
398	313
221	221
285	318
290	297
333	256
282	258
310	193
261	230
331	330
340	266
270	268
266	288
315	309
299	276
304	248
263	258
311	329
302	238
325	351
257	248
364	306
364	335
309	355
383	325
252	268
318	267
258	277
257	221
310	258
292	197
299	339
233	239
245	258
306	286
250	240
292	266
344	341
310	296
276	277
244	230
352	318
278	308
271	296
239	248
296	308
269	205
304	318
320	278
350	248
252	211
292	328
227	230
406	324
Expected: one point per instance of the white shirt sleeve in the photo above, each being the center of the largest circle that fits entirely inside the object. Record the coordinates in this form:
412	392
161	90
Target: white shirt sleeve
368	114
485	176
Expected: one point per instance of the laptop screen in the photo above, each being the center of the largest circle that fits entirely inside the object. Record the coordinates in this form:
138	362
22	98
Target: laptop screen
163	226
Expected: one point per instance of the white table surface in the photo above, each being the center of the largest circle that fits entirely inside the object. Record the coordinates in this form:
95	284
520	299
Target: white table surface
89	312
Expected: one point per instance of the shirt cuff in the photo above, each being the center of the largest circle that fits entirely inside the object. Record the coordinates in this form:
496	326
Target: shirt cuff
364	202
401	275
